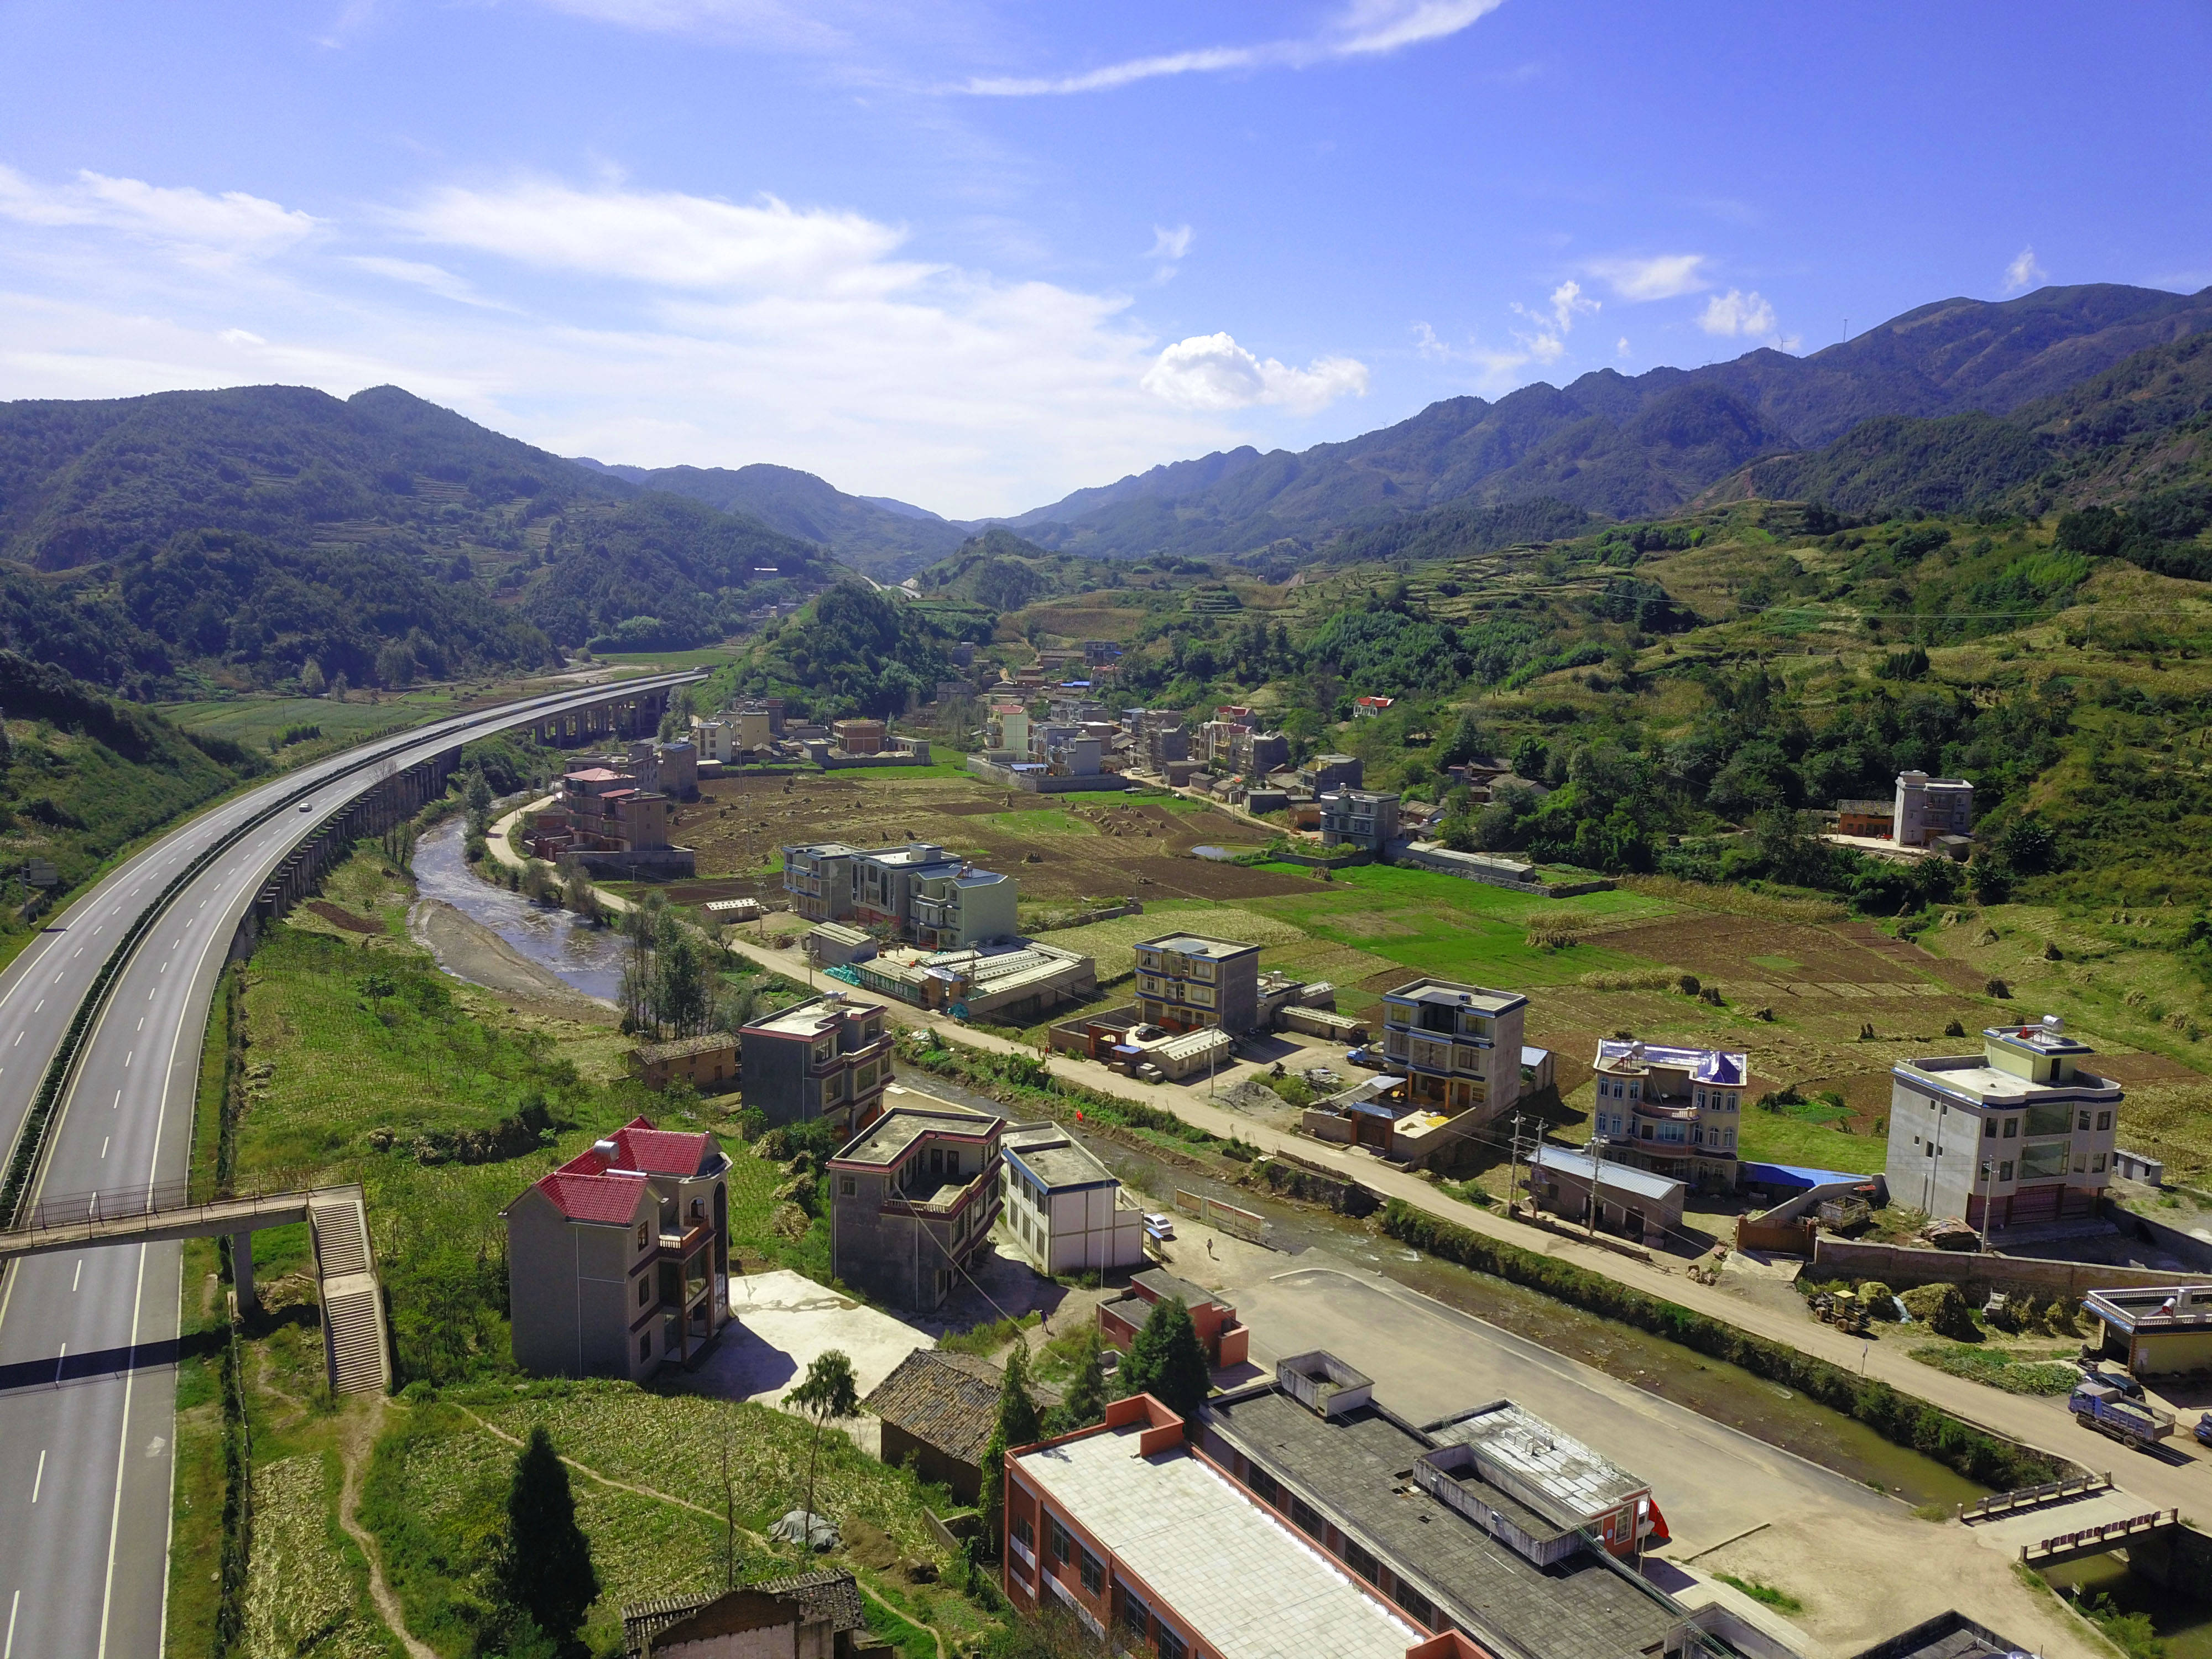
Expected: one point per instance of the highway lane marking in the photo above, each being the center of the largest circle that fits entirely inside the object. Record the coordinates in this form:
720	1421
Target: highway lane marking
14	1602
104	1140
77	1277
128	1058
39	1482
119	1100
42	1003
140	1024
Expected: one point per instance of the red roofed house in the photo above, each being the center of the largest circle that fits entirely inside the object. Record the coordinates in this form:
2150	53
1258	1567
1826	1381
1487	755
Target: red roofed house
619	1260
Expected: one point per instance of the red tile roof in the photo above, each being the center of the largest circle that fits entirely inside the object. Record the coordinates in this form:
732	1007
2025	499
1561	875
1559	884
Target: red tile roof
592	774
612	1199
639	1147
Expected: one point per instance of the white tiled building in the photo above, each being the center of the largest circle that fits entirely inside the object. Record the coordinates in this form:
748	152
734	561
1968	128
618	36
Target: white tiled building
2021	1130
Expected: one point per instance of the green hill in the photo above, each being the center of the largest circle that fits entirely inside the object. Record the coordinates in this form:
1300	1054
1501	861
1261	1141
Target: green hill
150	544
879	541
81	775
2139	426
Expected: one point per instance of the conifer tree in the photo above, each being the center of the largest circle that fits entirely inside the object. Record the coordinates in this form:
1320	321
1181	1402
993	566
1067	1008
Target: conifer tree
1167	1361
1018	1424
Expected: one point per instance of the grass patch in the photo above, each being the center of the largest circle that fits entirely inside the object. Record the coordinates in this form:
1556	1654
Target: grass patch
2014	1373
1464	930
368	1064
258	721
984	1340
1779	1137
438	1483
1763	1593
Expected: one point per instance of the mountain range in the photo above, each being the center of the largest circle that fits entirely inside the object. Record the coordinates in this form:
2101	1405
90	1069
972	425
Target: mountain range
1627	448
1606	444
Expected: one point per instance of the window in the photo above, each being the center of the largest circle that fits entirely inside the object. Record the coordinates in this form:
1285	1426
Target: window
1024	1533
2012	1127
1132	1614
645	1345
644	1290
1417	1606
2038	1161
1062	1545
1731	1103
2049	1117
1728	1137
2081	1164
2097	1165
2104	1119
1303	1517
1988	1128
1360	1561
1701	1100
1093	1572
1264	1489
2004	1170
642	1233
1171	1645
2084	1123
847	1186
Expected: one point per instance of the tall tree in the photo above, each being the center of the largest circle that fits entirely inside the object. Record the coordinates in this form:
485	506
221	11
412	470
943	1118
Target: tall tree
544	1571
1084	1402
1167	1361
829	1391
1018	1424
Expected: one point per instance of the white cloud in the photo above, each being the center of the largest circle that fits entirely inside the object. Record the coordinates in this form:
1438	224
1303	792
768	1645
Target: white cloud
1365	29
2024	272
232	224
1737	313
435	279
638	324
1170	244
663	239
1662	277
752	22
1620	348
1211	372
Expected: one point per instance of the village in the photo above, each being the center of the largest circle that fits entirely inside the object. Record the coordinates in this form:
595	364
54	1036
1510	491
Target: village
1412	1517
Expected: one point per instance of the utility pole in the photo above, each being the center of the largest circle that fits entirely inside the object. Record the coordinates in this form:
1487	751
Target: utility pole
1513	1168
1597	1163
1989	1166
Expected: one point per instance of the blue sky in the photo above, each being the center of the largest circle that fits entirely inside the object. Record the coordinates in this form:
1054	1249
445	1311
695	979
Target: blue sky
975	255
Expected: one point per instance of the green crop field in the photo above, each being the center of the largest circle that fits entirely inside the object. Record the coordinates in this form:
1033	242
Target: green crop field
257	721
1439	924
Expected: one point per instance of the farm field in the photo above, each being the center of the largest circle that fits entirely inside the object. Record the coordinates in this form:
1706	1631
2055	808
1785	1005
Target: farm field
648	1495
258	721
1058	847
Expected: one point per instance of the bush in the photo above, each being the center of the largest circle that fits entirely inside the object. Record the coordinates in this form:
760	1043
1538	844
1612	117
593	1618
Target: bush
1880	1301
1943	1310
1998	987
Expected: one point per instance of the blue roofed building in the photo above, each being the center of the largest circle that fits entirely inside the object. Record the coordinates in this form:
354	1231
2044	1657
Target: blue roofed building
1674	1111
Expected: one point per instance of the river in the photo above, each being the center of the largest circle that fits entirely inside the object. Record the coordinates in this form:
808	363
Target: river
587	957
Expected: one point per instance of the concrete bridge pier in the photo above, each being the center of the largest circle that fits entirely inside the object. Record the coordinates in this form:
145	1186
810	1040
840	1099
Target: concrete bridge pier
241	1271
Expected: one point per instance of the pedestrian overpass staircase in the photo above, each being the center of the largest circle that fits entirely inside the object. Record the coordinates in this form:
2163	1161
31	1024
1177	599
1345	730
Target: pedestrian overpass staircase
356	1344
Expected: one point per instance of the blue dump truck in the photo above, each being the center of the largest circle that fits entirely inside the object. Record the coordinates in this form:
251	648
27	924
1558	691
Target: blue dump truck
2101	1407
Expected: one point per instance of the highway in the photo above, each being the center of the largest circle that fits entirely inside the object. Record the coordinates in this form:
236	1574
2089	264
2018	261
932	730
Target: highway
87	1338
